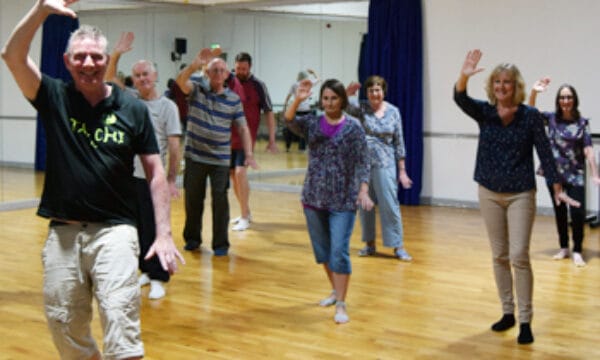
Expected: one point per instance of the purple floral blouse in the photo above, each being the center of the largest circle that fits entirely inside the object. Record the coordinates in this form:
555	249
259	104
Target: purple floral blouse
568	139
337	165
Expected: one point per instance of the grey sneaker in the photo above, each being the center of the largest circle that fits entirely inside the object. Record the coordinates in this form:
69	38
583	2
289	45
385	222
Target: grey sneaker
367	251
402	255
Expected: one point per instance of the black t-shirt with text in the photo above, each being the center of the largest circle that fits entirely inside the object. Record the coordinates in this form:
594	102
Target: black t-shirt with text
90	150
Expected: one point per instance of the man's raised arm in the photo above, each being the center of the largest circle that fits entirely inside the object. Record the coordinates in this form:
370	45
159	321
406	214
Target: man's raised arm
16	50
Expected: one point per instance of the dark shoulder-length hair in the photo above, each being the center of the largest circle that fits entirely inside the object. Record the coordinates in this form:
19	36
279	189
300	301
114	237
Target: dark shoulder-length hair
338	88
575	111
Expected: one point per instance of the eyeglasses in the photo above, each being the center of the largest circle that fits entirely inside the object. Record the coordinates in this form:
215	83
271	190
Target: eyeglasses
565	97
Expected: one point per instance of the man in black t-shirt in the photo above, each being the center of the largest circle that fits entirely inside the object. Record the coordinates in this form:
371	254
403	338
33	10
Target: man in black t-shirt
93	132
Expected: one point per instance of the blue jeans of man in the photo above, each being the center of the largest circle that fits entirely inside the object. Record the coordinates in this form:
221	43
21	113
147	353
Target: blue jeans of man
194	183
330	233
383	190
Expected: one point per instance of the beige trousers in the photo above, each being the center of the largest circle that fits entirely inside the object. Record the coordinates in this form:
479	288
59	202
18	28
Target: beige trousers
509	218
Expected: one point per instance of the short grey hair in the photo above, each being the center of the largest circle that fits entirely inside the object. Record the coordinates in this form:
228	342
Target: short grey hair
149	64
88	32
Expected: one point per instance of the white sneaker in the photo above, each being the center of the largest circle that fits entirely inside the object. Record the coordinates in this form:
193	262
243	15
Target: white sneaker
143	280
561	254
241	225
237	219
578	259
157	290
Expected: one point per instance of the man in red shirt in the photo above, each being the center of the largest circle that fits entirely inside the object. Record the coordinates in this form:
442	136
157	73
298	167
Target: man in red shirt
256	99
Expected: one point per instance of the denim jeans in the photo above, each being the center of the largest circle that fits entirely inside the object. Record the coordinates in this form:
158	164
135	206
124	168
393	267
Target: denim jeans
194	183
383	190
330	233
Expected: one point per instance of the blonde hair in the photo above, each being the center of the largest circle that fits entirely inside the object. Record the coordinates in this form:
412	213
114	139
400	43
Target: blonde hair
515	75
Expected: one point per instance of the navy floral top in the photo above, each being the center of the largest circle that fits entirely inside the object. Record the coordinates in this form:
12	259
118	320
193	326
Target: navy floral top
568	139
337	165
505	153
384	135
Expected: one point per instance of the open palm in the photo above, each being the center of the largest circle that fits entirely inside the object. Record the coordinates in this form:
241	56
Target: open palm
59	7
469	67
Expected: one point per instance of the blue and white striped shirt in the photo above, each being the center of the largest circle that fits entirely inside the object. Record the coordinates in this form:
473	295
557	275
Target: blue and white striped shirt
209	123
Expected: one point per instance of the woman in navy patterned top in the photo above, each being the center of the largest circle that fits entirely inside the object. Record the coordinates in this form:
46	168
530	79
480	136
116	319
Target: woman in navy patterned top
336	182
383	127
571	145
508	132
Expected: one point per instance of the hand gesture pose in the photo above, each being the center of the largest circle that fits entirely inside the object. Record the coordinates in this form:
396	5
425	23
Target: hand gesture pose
125	43
204	57
404	180
469	67
352	88
363	200
541	85
251	162
58	7
167	253
303	91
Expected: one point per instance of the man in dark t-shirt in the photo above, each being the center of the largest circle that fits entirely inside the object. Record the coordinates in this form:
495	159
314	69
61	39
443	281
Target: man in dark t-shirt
93	132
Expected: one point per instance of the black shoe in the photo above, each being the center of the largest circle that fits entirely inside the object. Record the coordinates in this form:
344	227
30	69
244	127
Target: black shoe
191	246
525	335
507	321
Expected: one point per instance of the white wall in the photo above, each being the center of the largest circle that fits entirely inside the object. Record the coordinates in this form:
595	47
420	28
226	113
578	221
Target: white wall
17	125
543	37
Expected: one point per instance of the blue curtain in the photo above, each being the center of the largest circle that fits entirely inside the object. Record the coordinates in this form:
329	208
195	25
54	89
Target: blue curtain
393	49
55	35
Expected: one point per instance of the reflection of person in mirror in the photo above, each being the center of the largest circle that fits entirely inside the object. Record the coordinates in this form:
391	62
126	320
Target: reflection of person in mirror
89	194
571	143
508	132
336	183
304	108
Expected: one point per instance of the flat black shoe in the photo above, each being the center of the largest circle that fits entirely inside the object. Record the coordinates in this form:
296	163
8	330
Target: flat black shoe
507	321
191	246
525	335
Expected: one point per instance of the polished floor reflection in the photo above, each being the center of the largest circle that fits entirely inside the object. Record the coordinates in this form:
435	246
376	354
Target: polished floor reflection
260	302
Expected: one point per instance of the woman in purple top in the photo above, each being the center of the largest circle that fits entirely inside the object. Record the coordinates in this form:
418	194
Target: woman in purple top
571	145
336	183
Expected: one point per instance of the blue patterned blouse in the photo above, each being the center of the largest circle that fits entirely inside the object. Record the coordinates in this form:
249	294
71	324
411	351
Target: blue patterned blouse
505	153
384	135
568	139
336	166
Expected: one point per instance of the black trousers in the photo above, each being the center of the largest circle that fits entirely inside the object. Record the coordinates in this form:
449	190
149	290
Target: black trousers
194	183
577	217
146	227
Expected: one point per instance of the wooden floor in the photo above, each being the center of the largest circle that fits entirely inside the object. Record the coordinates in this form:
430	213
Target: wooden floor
260	302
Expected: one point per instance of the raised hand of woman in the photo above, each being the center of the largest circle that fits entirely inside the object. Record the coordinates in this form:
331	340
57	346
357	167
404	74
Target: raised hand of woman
469	67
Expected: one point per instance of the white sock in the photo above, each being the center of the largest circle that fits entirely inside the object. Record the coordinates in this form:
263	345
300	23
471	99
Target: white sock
157	290
143	280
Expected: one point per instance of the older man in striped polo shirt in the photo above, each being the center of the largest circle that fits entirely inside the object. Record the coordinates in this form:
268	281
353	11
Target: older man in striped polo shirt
213	110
